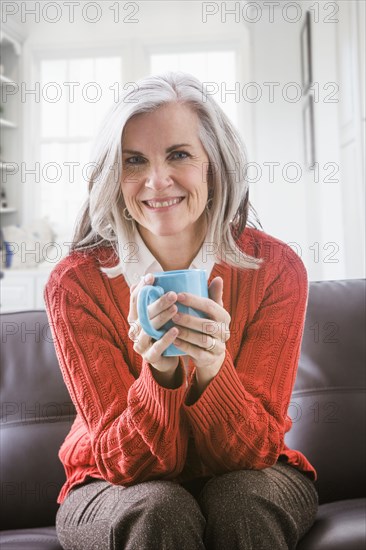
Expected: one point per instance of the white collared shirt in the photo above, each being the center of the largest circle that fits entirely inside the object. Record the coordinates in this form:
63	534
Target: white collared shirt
141	261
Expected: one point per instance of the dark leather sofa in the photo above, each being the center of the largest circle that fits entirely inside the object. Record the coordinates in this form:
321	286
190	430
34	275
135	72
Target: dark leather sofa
327	407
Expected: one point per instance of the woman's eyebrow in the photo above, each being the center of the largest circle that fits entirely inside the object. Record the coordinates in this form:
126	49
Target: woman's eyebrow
168	150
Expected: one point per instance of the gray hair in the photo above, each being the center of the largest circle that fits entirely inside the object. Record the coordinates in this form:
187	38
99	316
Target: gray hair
101	219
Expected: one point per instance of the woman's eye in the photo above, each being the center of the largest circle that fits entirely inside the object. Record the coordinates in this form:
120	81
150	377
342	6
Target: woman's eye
185	155
177	155
133	160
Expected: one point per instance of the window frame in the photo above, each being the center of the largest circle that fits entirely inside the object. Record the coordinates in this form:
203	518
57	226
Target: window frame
31	207
135	63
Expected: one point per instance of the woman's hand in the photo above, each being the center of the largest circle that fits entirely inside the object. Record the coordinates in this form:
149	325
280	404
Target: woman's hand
160	312
204	340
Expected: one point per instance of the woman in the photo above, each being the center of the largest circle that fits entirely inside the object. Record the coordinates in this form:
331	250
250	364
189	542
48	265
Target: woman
178	452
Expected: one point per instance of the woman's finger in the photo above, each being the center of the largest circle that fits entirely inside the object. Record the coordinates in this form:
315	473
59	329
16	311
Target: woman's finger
208	306
205	327
134	330
206	342
157	322
134	292
202	355
163	317
215	290
142	342
157	311
162	304
154	354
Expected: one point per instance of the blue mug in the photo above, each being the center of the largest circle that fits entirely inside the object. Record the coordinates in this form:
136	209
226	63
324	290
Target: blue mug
193	281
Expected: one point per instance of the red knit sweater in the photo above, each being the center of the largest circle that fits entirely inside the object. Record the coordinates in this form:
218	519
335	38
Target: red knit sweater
130	429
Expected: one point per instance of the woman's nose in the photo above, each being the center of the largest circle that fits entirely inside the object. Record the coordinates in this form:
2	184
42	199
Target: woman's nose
158	180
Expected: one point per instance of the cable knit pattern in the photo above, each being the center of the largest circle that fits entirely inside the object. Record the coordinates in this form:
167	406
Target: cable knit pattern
130	429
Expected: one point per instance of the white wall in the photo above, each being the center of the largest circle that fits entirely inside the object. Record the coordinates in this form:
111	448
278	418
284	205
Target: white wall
278	131
324	213
160	27
307	214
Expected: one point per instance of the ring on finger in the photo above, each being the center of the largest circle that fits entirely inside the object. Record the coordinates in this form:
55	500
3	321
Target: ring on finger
212	345
135	328
134	323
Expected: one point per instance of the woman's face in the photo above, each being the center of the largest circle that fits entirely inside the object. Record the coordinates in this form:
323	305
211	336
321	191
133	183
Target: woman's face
164	182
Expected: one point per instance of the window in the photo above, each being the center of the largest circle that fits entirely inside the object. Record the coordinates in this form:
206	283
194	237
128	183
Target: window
218	68
76	96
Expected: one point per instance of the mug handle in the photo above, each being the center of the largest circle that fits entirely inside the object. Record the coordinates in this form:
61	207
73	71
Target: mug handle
147	295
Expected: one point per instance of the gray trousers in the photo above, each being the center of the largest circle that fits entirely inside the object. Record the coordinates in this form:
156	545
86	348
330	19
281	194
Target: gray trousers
268	509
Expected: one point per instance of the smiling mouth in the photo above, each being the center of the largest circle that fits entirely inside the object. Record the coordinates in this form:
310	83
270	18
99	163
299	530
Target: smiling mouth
163	204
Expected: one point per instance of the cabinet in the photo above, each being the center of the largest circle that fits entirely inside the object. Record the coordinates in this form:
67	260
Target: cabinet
22	290
10	123
18	287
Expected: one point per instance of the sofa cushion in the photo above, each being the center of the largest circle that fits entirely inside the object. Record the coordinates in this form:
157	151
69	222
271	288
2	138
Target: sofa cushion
36	415
328	402
44	538
338	526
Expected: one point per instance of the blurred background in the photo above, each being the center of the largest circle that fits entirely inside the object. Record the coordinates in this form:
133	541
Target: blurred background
290	75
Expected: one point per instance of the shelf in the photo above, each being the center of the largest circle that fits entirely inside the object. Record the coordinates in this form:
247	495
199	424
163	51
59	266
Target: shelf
7	124
7	210
11	124
5	80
